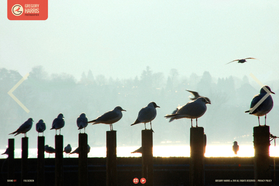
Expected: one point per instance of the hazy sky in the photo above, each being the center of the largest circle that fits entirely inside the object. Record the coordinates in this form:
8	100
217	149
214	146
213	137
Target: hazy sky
120	38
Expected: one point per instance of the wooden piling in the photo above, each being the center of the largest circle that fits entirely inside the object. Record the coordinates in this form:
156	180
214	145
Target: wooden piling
58	160
11	157
261	160
147	157
197	145
41	161
83	168
24	162
111	158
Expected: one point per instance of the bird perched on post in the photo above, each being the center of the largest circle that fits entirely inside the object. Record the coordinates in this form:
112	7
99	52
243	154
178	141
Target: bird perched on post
241	60
58	123
262	103
40	126
235	147
147	114
24	128
195	94
109	117
82	122
49	149
193	110
67	149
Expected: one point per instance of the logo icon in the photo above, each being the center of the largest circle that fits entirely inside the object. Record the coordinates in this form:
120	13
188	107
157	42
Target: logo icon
17	9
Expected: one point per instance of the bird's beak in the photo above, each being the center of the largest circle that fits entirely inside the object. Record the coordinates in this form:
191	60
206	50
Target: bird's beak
272	92
123	110
158	106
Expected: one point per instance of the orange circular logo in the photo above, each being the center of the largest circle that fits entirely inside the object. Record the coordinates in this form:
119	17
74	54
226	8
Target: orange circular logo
17	9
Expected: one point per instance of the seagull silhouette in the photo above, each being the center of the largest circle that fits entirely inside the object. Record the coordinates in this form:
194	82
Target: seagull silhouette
40	126
147	114
49	149
241	60
82	122
235	147
262	103
193	110
58	123
24	128
67	149
109	117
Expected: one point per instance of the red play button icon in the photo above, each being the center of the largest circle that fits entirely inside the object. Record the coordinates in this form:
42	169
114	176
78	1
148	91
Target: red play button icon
142	180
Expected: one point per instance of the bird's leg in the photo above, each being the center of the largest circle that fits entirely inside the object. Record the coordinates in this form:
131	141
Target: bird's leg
151	125
111	127
191	123
196	122
145	126
259	120
265	120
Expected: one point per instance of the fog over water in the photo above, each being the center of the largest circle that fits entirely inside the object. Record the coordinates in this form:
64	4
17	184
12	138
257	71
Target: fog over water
46	95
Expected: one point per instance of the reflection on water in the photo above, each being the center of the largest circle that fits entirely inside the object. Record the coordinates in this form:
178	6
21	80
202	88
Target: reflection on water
162	151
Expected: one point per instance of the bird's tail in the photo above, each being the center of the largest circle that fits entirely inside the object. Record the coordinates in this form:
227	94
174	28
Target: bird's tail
92	121
247	111
171	119
13	132
170	115
136	122
80	127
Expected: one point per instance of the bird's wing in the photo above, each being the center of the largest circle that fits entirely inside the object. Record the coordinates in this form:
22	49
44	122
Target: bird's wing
255	100
147	114
195	94
233	61
24	127
250	58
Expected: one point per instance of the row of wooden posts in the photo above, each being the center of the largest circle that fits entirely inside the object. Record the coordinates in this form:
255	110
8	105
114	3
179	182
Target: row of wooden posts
197	145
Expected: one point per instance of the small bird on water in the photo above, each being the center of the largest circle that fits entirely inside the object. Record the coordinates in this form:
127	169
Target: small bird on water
235	147
262	103
67	149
